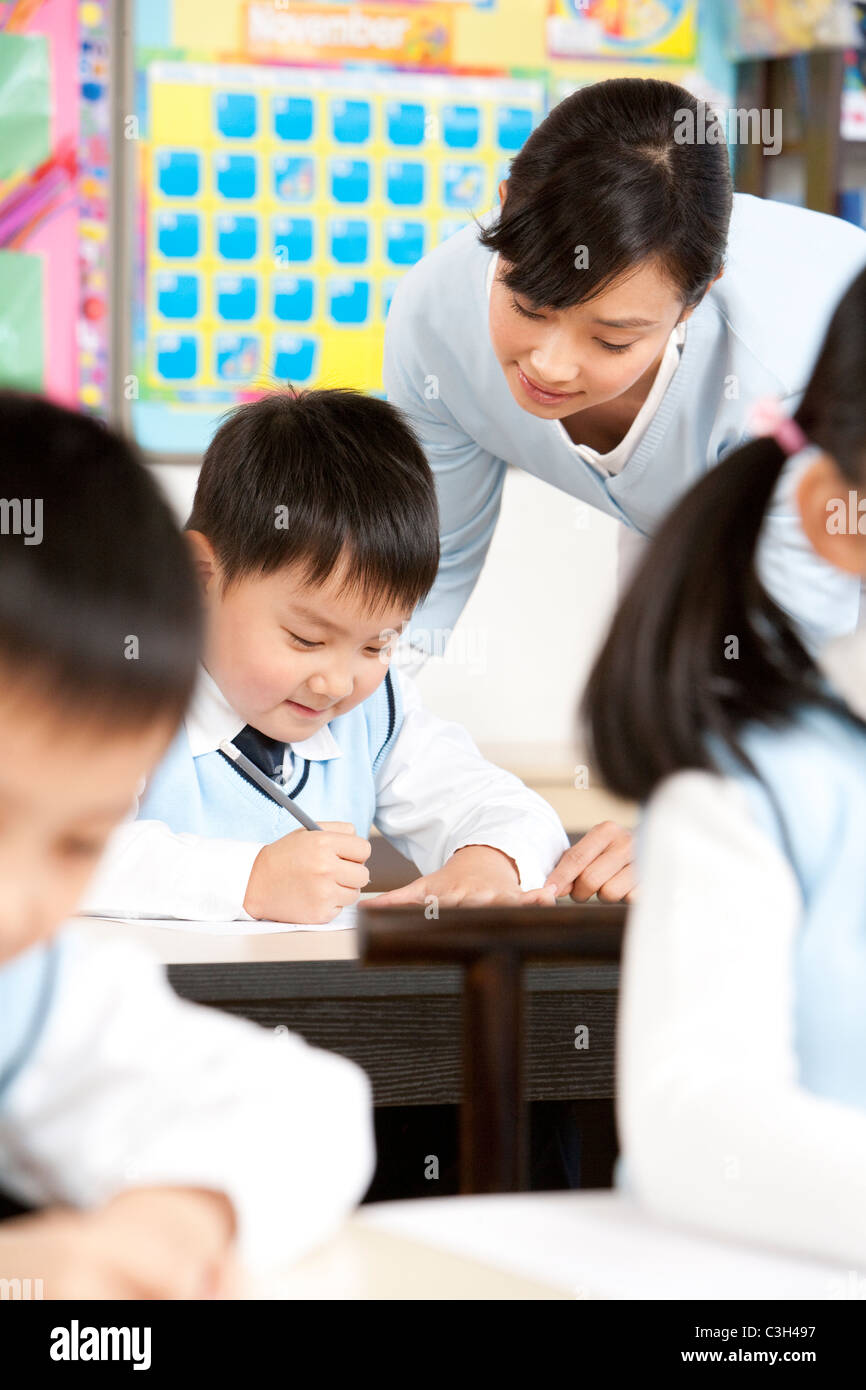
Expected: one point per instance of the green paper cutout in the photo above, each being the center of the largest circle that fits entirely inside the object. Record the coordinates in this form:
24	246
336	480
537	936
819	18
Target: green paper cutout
22	351
25	103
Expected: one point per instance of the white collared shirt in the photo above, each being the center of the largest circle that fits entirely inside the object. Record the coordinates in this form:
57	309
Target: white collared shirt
716	1129
210	719
615	459
435	794
127	1086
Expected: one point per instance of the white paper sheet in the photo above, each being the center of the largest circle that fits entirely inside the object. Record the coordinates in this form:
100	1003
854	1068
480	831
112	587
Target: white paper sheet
347	919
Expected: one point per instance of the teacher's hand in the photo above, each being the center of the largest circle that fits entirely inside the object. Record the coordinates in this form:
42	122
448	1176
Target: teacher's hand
601	862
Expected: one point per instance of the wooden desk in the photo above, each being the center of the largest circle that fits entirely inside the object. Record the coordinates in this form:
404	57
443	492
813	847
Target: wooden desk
579	1245
401	1024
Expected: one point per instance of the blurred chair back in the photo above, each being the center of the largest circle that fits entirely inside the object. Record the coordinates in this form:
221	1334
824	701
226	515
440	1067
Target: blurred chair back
492	944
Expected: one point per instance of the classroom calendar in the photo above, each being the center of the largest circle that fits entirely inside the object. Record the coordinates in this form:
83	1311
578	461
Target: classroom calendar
281	207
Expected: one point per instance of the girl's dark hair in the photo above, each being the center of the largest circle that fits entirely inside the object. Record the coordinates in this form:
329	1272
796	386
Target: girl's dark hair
606	170
100	614
302	476
662	684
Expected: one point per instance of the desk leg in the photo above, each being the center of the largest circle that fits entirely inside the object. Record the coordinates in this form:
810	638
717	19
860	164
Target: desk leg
493	1118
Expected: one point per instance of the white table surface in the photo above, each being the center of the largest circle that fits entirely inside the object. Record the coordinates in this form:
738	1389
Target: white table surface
176	946
590	1245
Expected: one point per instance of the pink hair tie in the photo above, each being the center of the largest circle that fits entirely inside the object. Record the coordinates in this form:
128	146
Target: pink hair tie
767	418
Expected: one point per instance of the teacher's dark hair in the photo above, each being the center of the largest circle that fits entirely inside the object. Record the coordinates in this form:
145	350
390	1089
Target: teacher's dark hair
626	169
100	614
662	686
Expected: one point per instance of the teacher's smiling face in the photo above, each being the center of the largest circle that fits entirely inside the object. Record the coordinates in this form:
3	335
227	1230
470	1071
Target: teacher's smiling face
561	361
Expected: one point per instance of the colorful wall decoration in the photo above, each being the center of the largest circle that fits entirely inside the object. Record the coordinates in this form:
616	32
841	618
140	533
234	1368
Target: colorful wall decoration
54	199
624	29
295	159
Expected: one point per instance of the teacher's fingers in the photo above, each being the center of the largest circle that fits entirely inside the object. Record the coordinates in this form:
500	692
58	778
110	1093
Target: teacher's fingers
622	888
589	864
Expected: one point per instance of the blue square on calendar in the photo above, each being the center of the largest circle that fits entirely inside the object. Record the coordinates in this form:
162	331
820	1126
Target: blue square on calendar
236	115
293	118
294	179
349	300
236	297
461	127
405	122
349	240
294	358
293	299
350	180
236	175
513	127
236	358
404	242
178	234
350	121
462	185
405	184
292	239
178	173
237	237
176	358
177	296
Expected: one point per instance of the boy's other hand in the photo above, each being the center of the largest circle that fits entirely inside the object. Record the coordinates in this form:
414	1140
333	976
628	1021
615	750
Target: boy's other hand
308	876
474	876
602	862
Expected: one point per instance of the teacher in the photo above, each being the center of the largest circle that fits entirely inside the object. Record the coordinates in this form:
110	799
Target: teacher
609	329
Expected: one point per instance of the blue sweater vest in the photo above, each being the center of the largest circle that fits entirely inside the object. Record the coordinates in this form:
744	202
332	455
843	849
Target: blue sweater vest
208	796
810	797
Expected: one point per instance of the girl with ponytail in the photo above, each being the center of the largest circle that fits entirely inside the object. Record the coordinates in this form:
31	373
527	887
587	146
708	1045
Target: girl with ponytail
742	1044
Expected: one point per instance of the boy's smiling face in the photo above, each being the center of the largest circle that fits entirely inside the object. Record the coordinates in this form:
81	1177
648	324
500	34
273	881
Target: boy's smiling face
288	655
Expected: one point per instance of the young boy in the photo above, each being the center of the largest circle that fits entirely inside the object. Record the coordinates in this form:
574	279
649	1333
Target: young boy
160	1136
315	533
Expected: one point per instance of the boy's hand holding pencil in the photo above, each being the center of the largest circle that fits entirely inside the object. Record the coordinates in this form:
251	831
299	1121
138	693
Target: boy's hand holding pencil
309	876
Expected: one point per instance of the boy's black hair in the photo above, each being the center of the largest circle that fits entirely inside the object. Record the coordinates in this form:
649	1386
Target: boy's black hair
606	171
100	615
662	684
309	477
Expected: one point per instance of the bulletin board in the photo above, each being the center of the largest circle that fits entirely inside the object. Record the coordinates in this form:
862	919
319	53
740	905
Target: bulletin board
275	237
54	272
294	160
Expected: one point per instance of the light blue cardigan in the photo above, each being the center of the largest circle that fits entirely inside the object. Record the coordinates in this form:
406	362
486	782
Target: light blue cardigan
756	333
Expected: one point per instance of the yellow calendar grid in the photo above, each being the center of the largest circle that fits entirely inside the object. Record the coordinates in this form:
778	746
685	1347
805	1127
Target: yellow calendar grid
183	118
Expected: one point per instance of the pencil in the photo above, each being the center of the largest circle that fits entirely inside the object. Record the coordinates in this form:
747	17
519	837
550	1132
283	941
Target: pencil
269	787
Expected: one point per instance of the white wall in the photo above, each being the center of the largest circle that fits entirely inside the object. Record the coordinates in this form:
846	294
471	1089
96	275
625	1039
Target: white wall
522	649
